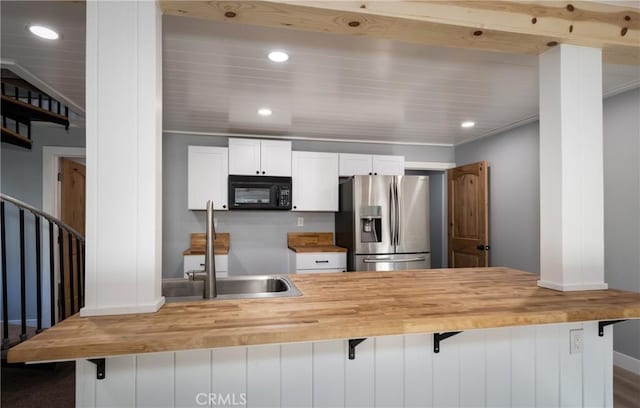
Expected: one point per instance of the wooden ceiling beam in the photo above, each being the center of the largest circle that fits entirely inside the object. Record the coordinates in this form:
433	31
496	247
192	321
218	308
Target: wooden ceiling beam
523	27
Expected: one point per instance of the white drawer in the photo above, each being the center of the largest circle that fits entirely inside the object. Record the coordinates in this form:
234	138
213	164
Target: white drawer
321	260
307	271
196	263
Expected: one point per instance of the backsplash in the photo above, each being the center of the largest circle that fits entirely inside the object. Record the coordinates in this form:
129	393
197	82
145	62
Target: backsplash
258	238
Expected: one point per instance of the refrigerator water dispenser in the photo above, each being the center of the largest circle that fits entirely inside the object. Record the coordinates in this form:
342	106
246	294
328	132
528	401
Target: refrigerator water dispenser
371	224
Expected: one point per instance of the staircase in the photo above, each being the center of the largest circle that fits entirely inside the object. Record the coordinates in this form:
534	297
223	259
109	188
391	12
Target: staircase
22	104
43	271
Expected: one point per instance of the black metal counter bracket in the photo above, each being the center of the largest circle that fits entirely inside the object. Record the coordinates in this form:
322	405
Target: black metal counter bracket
438	337
602	324
100	367
353	343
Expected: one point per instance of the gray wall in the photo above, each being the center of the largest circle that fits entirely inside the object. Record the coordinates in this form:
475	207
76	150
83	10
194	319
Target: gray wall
437	215
514	200
258	238
21	177
622	206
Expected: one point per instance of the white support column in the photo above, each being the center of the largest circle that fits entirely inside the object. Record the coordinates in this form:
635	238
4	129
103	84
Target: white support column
571	169
124	157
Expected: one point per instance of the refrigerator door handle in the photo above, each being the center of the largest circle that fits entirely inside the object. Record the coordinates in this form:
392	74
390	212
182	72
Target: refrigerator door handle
419	259
397	211
392	229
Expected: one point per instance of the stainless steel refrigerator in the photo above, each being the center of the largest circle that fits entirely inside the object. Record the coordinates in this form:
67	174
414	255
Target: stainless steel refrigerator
384	222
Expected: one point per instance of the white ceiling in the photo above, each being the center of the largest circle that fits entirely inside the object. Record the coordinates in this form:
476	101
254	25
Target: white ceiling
216	77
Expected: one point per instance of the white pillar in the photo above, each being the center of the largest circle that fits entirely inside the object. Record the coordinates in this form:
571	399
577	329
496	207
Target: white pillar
124	157
571	169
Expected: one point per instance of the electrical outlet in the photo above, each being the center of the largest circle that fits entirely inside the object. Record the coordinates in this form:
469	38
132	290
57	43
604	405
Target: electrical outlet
300	221
576	338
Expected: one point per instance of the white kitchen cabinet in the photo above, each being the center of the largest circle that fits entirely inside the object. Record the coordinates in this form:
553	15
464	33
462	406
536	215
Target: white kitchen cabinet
314	181
196	263
355	164
260	157
207	177
366	164
385	165
244	156
317	262
275	158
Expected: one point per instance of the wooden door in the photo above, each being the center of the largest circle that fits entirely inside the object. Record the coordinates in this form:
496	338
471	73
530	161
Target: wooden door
72	213
468	212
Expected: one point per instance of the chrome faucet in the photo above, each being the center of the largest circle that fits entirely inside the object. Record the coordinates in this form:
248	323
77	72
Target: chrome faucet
209	273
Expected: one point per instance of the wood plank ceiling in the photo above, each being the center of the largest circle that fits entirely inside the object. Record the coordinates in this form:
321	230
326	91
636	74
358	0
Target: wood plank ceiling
217	75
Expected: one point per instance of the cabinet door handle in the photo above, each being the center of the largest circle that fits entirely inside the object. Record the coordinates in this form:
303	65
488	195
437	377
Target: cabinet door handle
257	172
264	172
224	206
322	261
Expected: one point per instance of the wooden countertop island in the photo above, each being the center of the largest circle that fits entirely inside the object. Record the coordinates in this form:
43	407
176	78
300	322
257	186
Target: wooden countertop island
334	306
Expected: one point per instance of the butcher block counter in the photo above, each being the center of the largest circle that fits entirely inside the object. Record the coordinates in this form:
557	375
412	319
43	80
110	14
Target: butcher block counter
199	244
334	306
305	242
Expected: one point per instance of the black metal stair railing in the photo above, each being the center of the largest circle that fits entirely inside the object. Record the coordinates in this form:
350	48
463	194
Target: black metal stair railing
70	274
21	106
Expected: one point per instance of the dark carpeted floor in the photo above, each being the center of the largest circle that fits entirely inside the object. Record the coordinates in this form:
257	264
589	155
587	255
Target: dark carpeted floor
48	385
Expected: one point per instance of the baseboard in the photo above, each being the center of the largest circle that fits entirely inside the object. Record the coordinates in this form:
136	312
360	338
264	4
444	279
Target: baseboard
627	362
564	287
127	309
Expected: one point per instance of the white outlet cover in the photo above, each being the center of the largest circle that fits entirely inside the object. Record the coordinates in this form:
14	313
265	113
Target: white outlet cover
576	341
300	221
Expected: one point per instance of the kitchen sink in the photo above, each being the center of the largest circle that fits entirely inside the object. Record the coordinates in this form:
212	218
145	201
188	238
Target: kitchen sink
237	287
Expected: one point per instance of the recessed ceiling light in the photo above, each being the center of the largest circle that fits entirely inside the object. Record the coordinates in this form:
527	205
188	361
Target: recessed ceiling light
468	124
264	112
43	32
278	56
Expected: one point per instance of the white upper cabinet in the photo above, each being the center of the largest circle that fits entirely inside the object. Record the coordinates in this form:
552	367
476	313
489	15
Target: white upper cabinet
207	175
355	164
275	158
314	181
366	164
259	157
244	156
388	165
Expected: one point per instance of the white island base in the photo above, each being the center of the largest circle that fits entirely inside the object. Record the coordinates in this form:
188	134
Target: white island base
526	366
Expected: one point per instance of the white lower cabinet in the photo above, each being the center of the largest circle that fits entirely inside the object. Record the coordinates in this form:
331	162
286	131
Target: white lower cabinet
317	262
196	263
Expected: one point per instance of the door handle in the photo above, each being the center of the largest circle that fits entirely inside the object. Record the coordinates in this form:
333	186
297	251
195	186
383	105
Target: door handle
482	247
420	259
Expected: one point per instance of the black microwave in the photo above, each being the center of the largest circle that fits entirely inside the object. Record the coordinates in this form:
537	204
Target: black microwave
259	193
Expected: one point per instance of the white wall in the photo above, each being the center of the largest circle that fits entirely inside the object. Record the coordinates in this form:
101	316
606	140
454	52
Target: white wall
526	366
